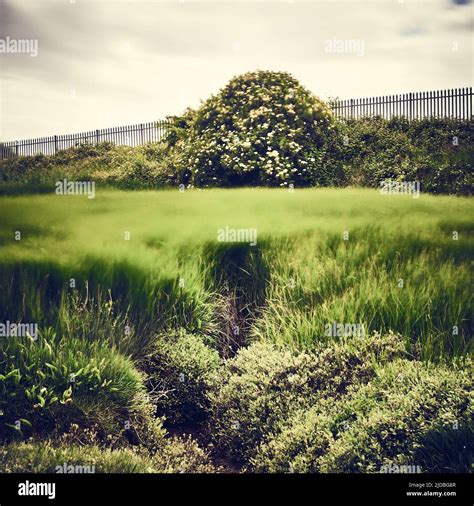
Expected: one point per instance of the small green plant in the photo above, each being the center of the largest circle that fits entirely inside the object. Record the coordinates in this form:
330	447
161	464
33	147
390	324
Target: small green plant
177	369
48	384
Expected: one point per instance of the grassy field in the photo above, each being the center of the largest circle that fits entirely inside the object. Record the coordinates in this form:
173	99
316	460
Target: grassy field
321	256
104	277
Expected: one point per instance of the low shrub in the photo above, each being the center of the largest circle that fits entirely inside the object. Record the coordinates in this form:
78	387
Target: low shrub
389	422
388	419
183	455
46	385
177	455
259	388
297	443
177	369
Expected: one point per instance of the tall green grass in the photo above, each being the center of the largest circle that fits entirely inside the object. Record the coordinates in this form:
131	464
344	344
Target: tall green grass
383	279
301	275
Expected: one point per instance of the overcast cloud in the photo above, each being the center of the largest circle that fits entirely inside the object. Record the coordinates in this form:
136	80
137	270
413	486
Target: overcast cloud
103	64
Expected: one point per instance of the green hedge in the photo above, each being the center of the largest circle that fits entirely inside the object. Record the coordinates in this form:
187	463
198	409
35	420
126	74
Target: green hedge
264	128
439	153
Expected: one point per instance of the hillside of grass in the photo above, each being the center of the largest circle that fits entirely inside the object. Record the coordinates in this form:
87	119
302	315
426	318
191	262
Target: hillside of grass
150	328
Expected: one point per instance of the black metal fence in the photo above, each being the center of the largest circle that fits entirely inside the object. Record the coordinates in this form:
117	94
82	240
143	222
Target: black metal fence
131	135
455	103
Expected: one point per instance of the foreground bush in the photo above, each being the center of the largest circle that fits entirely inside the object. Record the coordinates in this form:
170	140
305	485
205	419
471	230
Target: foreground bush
183	455
390	421
48	384
389	418
177	370
263	385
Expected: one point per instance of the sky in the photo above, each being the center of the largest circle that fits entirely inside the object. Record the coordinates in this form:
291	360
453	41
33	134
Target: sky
97	64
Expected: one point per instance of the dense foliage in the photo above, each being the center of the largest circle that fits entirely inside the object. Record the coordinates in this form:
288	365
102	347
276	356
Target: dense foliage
439	153
358	406
148	166
177	368
132	356
261	128
171	332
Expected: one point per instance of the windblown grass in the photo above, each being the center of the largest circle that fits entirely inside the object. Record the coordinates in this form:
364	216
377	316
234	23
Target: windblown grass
301	275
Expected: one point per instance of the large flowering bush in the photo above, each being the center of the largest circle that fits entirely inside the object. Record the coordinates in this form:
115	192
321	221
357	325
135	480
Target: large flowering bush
262	128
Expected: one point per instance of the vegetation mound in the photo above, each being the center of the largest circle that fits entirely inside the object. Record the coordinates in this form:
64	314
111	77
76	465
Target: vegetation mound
261	128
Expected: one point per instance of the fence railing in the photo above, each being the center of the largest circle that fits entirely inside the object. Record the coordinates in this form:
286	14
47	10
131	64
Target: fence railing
131	135
454	103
